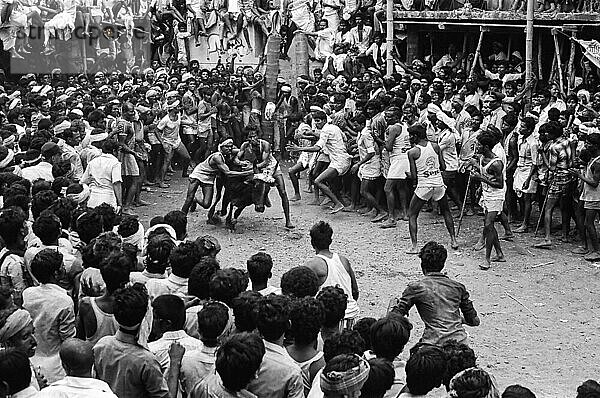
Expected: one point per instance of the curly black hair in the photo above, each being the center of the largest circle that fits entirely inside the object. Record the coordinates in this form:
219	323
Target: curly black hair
227	284
306	318
202	273
433	257
158	250
183	258
363	326
46	264
460	357
300	282
589	389
41	201
381	378
345	342
389	335
128	226
131	304
244	309
518	391
334	302
238	360
273	316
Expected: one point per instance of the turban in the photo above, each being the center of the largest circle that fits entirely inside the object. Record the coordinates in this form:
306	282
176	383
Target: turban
585	93
186	76
137	238
62	126
286	89
228	141
167	227
14	103
7	156
346	383
62	98
150	93
79	197
143	328
302	80
98	137
76	111
173	105
433	108
15	322
14	95
71	90
415	81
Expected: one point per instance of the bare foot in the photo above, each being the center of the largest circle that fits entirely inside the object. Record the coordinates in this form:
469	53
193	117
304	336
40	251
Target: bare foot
522	229
295	198
314	202
499	259
592	256
580	251
545	244
370	213
289	225
380	217
413	250
454	244
485	266
337	209
508	237
479	245
390	223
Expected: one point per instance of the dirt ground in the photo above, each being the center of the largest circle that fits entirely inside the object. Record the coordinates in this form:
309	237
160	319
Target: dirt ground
547	342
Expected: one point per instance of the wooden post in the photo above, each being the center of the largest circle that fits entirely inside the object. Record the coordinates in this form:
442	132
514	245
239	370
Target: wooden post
271	73
558	62
412	44
302	65
389	40
571	67
464	52
477	53
529	48
539	57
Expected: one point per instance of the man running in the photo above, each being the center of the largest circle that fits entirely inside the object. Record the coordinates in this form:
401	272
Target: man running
491	175
205	173
426	162
332	140
266	168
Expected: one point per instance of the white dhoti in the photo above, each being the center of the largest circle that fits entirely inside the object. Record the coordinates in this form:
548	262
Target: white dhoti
99	196
521	174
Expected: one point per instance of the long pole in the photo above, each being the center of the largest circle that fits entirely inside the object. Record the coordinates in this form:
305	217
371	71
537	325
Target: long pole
558	62
529	47
389	40
477	54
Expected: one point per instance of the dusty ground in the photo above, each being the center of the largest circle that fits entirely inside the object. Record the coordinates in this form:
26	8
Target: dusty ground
550	347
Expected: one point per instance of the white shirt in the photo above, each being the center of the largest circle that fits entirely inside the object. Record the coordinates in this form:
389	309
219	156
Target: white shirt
77	387
41	170
172	285
102	172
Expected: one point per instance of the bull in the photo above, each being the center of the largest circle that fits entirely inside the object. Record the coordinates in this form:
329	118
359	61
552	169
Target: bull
239	193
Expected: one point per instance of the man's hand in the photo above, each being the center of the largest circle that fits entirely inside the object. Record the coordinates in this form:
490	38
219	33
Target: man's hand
354	169
526	184
292	148
176	352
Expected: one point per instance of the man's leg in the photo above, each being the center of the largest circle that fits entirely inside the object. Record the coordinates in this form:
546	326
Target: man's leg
285	204
315	172
169	151
294	174
365	190
526	200
491	239
191	194
389	187
183	153
327	176
550	204
565	213
445	209
592	236
508	235
207	196
414	209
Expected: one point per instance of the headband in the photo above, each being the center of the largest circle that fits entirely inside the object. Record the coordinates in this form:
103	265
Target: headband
15	322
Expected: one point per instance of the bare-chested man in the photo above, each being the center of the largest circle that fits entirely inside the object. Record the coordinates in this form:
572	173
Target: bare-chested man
205	173
333	269
266	167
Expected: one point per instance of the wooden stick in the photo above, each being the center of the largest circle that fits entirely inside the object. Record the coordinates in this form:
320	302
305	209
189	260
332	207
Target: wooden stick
558	61
521	304
542	264
539	58
477	53
571	66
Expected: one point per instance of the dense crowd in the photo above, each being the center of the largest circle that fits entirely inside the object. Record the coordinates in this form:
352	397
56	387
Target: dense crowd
94	304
